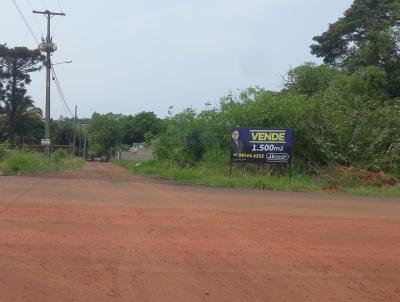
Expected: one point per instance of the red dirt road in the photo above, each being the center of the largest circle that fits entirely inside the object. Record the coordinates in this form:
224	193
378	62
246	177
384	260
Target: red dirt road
102	235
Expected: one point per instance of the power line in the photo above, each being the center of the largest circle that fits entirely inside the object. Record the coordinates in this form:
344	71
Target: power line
63	106
59	19
45	4
61	9
55	27
25	21
36	18
66	109
60	92
59	5
62	103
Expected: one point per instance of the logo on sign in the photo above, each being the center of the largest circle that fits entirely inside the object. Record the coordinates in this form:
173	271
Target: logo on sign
278	157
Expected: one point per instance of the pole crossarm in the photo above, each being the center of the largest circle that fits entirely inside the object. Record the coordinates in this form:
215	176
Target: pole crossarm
49	13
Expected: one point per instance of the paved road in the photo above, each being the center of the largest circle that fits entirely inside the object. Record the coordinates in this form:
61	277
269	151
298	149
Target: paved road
102	235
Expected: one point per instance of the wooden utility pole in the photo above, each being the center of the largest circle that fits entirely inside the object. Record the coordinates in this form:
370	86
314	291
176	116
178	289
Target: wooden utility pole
48	47
85	145
74	139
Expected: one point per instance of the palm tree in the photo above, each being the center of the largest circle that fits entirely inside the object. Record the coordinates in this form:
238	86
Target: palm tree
22	120
29	123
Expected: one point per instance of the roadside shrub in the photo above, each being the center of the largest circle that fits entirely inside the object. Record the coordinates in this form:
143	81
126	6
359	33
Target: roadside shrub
31	162
215	156
59	156
3	151
340	125
22	162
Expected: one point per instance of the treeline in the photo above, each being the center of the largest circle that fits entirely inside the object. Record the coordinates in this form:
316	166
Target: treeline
110	132
336	125
22	123
343	112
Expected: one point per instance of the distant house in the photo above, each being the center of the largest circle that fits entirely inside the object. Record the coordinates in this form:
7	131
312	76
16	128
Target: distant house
136	147
137	152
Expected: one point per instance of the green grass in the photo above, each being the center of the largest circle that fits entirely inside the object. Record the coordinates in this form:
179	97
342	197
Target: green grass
27	162
373	191
217	175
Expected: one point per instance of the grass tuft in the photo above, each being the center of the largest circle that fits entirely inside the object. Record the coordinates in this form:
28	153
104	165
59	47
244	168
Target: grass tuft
218	175
24	162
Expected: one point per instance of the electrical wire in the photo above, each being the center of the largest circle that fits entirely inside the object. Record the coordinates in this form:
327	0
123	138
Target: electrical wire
36	18
25	21
55	27
60	92
62	103
59	19
63	106
59	5
61	95
45	4
66	109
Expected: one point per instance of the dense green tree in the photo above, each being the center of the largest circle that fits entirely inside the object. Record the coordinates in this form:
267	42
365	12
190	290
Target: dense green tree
104	133
346	124
310	78
183	140
2	79
3	131
29	124
135	127
367	35
370	83
109	131
62	132
16	64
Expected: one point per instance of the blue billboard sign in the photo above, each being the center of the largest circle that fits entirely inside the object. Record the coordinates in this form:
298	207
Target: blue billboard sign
261	145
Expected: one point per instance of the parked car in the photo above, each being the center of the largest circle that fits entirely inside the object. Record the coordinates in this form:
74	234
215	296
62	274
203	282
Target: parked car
104	159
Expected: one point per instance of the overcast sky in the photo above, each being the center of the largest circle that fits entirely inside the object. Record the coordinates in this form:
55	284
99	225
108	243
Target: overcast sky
130	56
